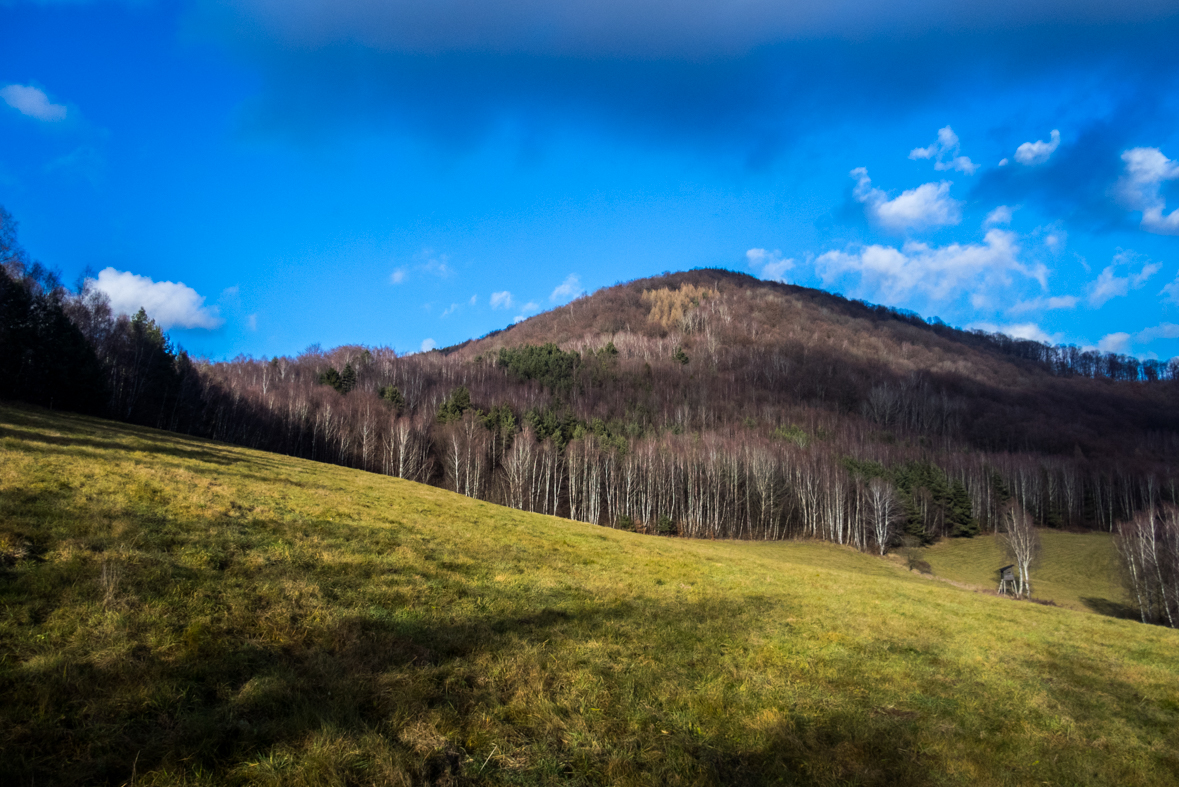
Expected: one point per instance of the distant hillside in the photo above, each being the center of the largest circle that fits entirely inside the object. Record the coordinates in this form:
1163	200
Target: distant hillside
182	611
1016	394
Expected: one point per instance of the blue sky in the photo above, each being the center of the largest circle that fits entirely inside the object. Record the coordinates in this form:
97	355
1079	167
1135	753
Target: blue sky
266	175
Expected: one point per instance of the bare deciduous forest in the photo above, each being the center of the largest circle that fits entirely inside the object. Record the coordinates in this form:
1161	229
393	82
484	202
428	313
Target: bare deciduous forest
705	404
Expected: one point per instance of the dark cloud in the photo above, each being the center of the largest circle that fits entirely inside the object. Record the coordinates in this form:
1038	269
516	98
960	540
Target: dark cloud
666	73
655	29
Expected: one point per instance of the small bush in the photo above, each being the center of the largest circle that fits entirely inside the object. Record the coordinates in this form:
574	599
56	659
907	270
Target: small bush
915	562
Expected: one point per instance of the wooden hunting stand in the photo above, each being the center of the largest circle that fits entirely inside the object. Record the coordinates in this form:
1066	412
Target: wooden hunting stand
1007	580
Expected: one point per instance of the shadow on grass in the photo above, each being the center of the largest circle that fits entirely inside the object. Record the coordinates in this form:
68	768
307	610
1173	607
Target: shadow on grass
1113	609
34	440
220	698
30	430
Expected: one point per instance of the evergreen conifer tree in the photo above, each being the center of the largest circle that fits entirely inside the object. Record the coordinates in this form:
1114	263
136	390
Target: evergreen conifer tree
347	379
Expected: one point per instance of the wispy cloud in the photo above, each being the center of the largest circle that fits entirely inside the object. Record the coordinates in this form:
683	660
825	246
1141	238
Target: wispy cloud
1000	215
1166	330
928	205
1020	330
945	153
436	264
568	289
170	304
1048	303
429	344
30	101
526	311
501	300
1171	291
1109	284
397	276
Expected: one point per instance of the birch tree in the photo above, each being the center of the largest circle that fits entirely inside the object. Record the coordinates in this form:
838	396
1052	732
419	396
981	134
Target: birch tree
1022	542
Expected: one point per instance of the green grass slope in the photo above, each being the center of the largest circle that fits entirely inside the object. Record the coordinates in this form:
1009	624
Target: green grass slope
174	611
1074	570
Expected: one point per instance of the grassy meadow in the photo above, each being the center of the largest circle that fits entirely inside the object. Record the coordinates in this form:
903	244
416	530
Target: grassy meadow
1074	570
176	611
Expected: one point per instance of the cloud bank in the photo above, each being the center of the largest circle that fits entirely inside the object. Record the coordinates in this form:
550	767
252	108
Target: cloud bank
892	275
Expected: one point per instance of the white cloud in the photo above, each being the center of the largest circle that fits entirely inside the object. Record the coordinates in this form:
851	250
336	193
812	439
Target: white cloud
770	264
428	344
1045	304
501	300
474	300
1021	330
1140	188
944	152
170	304
1000	215
1028	330
32	102
1003	162
928	205
449	310
1114	343
1031	153
252	322
1109	285
568	289
940	274
1122	342
397	276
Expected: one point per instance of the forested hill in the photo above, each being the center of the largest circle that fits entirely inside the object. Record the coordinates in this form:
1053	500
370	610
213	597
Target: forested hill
802	345
705	403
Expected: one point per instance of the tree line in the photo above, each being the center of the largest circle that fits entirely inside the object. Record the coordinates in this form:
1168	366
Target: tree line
658	434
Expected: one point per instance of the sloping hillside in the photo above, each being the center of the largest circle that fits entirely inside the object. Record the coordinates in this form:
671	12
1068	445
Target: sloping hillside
183	611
